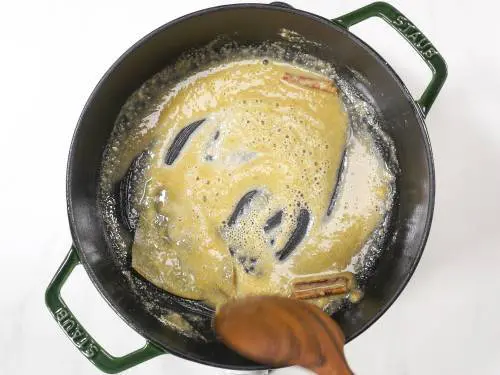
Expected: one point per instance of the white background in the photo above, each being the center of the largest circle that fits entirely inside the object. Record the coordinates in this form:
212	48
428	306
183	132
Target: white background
52	54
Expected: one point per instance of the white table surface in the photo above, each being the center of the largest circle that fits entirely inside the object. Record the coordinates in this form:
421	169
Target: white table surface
52	54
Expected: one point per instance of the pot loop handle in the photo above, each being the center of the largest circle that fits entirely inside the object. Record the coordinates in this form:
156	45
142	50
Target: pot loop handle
412	35
79	336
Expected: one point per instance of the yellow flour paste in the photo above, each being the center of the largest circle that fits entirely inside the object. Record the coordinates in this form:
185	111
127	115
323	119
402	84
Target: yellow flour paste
276	143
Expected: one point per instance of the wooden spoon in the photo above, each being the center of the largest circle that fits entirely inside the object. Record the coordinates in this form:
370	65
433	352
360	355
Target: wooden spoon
280	331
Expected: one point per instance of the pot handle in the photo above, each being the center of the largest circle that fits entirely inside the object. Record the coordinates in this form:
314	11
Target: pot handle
79	336
414	36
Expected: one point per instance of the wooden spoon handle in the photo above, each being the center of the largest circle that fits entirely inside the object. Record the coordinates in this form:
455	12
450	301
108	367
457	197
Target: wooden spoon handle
282	331
330	340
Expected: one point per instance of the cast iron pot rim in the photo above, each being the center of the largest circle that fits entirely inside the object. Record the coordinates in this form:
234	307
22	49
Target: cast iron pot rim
279	8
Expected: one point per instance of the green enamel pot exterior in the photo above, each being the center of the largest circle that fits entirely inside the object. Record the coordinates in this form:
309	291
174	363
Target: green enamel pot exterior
94	352
412	35
82	216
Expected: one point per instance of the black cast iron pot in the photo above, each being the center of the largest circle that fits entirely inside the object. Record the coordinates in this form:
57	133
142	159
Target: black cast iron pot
403	120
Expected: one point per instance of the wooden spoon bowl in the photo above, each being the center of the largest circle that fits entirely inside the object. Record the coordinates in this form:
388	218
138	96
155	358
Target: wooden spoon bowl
280	331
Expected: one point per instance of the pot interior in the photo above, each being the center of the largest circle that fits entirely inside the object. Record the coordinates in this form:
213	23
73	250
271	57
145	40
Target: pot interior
400	119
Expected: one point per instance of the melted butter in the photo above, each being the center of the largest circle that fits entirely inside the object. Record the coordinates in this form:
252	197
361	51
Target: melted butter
259	134
178	323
